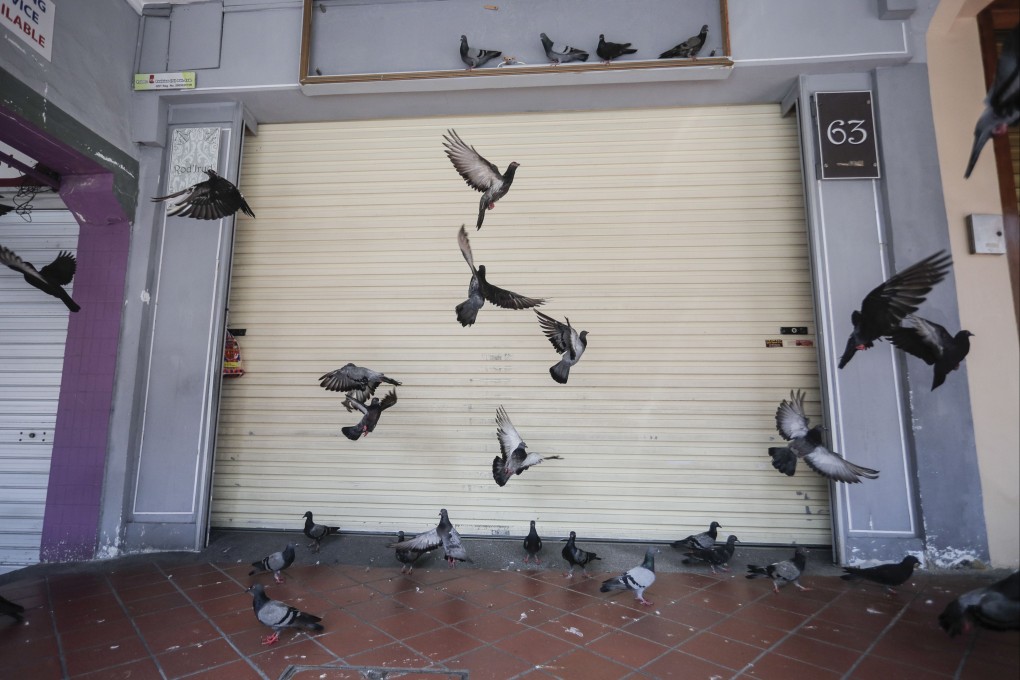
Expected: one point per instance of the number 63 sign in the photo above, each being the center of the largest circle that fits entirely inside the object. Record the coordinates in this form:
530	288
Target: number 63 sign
847	144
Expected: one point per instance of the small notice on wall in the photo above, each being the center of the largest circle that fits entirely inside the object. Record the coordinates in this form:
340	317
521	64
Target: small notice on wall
182	80
31	21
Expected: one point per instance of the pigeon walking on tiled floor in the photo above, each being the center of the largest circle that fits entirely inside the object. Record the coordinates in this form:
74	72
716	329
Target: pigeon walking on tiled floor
278	615
781	573
532	544
407	556
275	563
702	541
212	199
358	382
888	575
931	343
317	532
51	279
637	579
716	556
996	607
478	173
443	535
577	557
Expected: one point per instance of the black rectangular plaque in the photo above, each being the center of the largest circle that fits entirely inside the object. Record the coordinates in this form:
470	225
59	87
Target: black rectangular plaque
847	143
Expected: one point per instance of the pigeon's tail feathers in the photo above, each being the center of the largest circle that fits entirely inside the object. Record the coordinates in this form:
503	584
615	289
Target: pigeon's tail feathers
66	299
982	133
12	609
681	544
754	571
352	432
307	622
391	381
611	584
783	459
849	352
466	314
560	372
953	619
938	378
499	472
852	574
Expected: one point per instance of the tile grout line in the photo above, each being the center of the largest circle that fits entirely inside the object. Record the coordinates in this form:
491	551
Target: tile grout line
874	643
134	626
56	633
211	622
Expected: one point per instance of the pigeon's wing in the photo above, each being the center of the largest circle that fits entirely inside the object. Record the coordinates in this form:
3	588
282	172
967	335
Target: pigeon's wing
61	270
924	339
506	299
509	439
790	419
783	459
787	571
12	260
465	248
832	466
273	613
389	400
452	545
560	334
888	304
479	173
356	404
1005	89
341	380
422	542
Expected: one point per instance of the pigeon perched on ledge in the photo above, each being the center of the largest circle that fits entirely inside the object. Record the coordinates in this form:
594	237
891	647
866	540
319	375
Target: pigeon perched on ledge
278	615
807	444
478	173
689	48
474	57
888	575
577	557
317	532
370	417
932	344
275	563
515	458
565	340
443	535
885	307
50	279
358	382
561	54
996	607
781	573
637	579
702	541
480	290
608	51
212	199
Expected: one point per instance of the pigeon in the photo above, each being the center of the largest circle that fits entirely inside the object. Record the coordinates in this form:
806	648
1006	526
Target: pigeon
317	532
478	173
51	278
278	615
474	57
702	541
480	290
608	51
371	415
15	610
576	557
566	341
561	54
932	344
888	575
532	544
407	556
716	556
212	199
359	383
887	305
637	579
996	607
1002	105
514	459
275	563
806	443
443	535
781	573
689	48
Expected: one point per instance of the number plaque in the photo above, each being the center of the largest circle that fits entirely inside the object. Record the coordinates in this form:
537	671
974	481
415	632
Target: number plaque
847	143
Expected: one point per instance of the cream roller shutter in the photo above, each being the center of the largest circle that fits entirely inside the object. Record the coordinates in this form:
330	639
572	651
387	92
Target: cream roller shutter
676	237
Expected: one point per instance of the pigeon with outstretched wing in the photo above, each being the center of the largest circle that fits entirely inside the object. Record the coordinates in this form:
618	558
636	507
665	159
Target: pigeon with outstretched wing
478	173
50	279
358	382
212	199
370	417
567	341
931	343
443	535
514	458
480	290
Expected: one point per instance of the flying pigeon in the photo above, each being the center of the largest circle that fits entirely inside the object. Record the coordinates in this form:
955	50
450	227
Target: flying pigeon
474	57
716	556
443	535
359	383
317	532
932	344
407	556
275	563
702	541
636	579
532	544
781	573
278	615
480	290
212	199
478	173
996	607
689	48
371	415
51	278
608	51
12	609
888	575
561	54
1002	104
576	557
806	443
887	305
514	459
566	341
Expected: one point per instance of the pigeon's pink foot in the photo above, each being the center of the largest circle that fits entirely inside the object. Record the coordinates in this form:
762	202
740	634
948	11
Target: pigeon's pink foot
525	559
801	587
537	561
492	206
271	639
644	602
278	578
569	574
999	129
861	347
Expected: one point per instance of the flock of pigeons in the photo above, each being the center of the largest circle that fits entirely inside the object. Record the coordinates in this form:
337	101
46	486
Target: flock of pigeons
559	53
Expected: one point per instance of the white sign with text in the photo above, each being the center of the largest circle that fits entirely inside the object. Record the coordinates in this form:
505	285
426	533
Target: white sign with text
32	21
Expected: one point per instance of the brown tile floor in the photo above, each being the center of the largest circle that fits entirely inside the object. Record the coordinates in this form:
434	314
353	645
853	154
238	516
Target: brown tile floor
165	620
